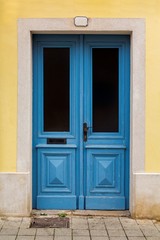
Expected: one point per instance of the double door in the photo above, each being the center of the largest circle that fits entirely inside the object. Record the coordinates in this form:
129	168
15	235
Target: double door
81	121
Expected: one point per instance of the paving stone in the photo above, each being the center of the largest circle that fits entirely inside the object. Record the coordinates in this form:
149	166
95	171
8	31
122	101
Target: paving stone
45	232
116	233
128	223
112	223
151	233
27	232
125	220
114	227
81	238
63	231
100	238
157	225
25	238
25	223
44	237
112	220
144	222
98	232
133	233
134	229
153	238
96	223
83	232
81	220
148	227
62	238
7	237
12	224
79	224
136	238
118	238
9	231
130	226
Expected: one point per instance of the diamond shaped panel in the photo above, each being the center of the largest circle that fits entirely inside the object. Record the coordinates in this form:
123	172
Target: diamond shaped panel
105	172
104	167
56	172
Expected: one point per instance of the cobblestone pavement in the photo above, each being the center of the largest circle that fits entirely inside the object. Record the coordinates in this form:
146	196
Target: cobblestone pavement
82	228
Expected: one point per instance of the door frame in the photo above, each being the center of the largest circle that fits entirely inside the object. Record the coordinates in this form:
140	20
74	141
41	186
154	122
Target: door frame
136	29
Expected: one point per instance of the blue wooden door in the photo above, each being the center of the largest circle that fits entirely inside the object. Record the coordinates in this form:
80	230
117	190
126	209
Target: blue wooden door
81	122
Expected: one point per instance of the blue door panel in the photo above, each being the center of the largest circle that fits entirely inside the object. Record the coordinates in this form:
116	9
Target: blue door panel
56	202
78	174
56	171
105	179
105	172
107	203
56	178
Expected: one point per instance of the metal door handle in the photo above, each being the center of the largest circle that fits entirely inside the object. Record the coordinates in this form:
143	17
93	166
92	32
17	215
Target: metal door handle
85	131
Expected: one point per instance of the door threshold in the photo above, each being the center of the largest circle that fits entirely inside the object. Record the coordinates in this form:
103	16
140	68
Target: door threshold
85	213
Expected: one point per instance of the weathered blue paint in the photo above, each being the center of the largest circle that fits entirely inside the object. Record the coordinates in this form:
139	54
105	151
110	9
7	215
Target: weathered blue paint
81	175
106	153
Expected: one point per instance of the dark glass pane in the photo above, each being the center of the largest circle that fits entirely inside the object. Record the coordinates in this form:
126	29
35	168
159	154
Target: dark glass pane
56	89
105	89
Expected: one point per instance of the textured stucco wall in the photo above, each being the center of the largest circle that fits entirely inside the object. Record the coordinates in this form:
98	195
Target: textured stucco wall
11	10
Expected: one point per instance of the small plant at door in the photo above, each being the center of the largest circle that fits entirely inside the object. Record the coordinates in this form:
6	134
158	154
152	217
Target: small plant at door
62	215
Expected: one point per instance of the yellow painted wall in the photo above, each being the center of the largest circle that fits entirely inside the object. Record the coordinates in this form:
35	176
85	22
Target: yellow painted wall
11	10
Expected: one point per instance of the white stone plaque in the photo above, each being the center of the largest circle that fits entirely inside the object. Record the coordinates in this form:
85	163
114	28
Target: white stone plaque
81	21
